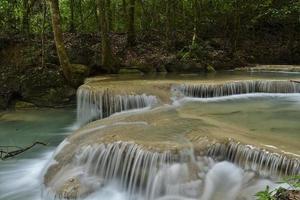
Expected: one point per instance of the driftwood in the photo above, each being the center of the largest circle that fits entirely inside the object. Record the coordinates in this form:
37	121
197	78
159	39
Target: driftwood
5	153
294	81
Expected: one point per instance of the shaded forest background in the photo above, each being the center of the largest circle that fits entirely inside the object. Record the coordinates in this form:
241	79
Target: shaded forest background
117	36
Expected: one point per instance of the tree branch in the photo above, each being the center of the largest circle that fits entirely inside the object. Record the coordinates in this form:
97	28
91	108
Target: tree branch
8	154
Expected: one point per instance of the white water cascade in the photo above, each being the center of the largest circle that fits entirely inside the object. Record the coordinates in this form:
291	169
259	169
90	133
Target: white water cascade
128	171
249	158
98	104
139	174
239	87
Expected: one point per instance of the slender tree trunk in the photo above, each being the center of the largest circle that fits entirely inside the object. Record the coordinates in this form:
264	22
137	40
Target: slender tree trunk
197	11
237	27
146	18
72	22
11	17
43	32
97	22
168	22
81	15
124	9
58	37
107	57
124	14
108	14
155	14
25	17
131	24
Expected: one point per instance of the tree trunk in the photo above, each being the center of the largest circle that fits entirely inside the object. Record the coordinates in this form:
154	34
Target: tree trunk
44	6
72	23
97	22
124	14
124	9
107	57
131	24
197	11
155	14
58	37
237	27
108	14
11	17
25	17
81	15
170	23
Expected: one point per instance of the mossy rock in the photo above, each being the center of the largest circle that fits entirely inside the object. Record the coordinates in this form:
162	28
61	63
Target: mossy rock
78	74
51	97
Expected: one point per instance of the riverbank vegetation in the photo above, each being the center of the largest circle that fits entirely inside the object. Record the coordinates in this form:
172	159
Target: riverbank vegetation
280	193
48	47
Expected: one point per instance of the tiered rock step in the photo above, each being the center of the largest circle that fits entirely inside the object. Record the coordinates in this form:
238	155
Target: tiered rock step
99	98
132	148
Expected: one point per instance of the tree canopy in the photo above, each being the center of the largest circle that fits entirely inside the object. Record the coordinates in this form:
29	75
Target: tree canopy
234	18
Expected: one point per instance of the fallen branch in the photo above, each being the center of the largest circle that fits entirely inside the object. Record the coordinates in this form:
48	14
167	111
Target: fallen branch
8	154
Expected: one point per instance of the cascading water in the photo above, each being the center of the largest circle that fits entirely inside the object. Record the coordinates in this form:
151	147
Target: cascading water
250	158
98	104
111	170
140	174
127	163
239	87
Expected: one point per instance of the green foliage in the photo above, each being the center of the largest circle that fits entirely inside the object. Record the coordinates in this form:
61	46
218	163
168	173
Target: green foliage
232	20
193	51
267	194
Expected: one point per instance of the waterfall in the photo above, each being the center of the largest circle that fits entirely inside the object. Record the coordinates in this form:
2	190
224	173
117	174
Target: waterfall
140	174
128	164
239	87
258	160
98	104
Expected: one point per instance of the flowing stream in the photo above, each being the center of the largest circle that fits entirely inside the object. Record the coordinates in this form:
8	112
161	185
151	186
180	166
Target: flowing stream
21	177
269	120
